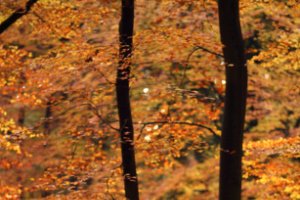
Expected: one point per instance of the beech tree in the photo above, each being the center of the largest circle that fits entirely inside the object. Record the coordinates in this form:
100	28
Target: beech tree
235	100
123	100
69	52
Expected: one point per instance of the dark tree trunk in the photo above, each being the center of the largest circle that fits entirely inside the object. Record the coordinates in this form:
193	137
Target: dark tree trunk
123	100
21	116
22	111
235	101
16	15
48	115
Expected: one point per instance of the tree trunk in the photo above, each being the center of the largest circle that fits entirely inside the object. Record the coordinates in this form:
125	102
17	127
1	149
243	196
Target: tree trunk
235	101
22	111
123	100
48	116
21	116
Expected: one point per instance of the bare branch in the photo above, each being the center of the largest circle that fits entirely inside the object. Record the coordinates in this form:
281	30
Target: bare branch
190	55
16	15
177	122
96	112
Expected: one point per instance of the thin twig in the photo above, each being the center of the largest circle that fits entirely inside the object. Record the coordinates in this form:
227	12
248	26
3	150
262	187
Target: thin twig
103	75
176	122
96	112
189	57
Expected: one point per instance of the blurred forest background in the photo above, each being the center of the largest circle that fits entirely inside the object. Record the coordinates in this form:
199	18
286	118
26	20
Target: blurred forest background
58	114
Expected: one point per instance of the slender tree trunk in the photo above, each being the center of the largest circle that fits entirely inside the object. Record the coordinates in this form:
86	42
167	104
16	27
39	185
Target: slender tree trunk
16	15
22	111
123	100
235	101
21	116
48	115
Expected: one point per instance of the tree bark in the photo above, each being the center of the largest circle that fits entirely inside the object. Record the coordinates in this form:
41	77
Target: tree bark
16	15
235	101
123	100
